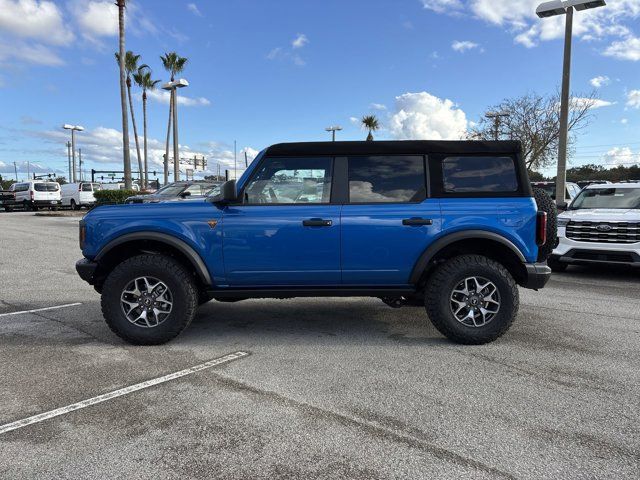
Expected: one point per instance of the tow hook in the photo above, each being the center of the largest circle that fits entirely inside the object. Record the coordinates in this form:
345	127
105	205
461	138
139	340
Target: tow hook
393	302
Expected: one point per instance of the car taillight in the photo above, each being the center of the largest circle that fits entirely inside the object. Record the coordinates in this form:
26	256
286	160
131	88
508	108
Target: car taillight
541	229
31	194
82	234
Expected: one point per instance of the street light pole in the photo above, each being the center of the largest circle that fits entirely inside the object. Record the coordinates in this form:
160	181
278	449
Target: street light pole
73	129
333	130
172	87
69	157
551	9
561	175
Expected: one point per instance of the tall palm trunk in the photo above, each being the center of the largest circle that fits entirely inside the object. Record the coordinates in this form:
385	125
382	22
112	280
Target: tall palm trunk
144	122
123	99
166	154
135	133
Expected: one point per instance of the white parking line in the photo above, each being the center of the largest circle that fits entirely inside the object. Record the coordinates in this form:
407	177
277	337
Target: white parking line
118	393
40	309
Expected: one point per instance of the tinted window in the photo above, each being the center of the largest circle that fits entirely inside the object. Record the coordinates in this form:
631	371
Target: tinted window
479	174
45	187
291	180
386	179
194	189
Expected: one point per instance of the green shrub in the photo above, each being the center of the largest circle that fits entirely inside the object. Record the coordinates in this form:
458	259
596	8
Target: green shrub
111	197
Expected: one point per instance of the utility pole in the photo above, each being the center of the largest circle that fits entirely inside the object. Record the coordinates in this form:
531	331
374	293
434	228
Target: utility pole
28	170
246	160
80	162
496	116
15	168
69	156
235	160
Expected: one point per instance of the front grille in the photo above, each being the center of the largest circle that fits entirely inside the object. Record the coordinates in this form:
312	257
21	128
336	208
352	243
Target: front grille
604	232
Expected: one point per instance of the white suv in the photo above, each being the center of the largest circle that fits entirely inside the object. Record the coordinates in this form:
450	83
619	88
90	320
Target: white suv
602	225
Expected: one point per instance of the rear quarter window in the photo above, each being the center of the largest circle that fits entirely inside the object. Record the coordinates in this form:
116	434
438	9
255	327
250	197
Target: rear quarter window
479	174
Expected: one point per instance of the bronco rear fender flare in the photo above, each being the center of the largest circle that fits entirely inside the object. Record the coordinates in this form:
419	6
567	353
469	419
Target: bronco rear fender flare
194	258
447	240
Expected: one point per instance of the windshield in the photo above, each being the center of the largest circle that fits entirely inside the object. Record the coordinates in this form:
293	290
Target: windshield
170	190
213	191
623	198
45	187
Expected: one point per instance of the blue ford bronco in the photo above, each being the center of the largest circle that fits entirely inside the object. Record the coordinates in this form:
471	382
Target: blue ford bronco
453	226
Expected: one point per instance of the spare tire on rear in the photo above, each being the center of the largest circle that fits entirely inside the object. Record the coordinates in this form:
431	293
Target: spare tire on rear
546	204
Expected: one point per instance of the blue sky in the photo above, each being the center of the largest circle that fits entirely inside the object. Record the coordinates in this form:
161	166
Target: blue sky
262	72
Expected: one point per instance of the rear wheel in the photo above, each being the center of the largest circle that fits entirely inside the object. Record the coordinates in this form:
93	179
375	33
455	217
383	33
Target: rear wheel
26	206
471	299
149	299
546	204
73	205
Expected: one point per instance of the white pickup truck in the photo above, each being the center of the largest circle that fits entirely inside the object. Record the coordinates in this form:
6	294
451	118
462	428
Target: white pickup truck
601	225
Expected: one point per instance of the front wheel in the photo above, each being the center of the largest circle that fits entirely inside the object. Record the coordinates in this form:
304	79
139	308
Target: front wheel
471	299
149	299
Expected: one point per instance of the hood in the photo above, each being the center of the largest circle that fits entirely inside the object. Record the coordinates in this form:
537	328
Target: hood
603	215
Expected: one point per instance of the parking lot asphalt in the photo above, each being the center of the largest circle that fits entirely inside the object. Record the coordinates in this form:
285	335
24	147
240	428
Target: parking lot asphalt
331	388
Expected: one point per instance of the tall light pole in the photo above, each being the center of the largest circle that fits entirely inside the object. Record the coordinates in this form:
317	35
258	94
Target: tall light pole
333	129
69	158
73	128
551	9
172	87
496	116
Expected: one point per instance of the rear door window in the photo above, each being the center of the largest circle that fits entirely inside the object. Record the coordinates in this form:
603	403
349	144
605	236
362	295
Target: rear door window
45	187
387	179
479	174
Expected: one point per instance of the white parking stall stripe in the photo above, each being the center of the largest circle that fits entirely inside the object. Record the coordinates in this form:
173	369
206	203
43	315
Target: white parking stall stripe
40	309
118	393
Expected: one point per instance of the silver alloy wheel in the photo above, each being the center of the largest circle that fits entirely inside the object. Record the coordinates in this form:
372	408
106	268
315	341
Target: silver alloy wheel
146	302
475	301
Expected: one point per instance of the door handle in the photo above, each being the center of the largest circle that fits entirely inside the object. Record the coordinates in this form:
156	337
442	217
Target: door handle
317	222
415	221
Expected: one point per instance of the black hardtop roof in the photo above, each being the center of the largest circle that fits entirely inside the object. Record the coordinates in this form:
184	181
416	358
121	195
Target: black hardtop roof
419	147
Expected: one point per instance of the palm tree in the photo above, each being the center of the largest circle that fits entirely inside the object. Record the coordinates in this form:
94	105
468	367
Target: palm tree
131	67
174	64
371	123
123	100
143	79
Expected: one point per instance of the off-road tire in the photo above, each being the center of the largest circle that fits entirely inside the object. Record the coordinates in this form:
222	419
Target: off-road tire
164	268
555	265
546	204
447	276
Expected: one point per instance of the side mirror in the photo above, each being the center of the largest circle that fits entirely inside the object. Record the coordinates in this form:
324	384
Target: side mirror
228	193
562	207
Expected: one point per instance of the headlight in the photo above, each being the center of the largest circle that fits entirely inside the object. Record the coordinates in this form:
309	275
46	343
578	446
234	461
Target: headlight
563	222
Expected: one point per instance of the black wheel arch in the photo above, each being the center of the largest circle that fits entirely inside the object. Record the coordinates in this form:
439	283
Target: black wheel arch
480	242
135	243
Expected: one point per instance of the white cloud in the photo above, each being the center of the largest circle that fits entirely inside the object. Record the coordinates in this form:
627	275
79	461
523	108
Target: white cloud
518	17
442	6
32	19
162	96
633	99
600	81
594	102
624	121
378	106
193	8
627	49
463	45
35	54
95	19
300	41
424	116
620	156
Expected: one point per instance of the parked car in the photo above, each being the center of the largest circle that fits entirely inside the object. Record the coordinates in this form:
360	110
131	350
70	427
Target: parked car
7	200
77	195
176	191
572	190
36	194
602	225
118	186
453	226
